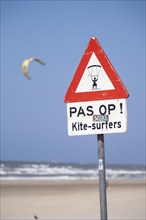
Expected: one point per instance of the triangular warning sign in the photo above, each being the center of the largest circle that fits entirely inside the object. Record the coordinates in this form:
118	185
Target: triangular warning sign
95	77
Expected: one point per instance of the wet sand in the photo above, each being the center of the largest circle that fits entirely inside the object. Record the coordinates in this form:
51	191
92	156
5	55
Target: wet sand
68	200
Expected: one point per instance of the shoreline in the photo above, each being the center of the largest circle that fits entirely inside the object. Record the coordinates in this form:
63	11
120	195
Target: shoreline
81	182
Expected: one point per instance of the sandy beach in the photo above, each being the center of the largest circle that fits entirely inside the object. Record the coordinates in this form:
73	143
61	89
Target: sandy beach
71	199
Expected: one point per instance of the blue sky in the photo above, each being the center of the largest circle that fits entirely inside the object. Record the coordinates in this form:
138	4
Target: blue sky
33	112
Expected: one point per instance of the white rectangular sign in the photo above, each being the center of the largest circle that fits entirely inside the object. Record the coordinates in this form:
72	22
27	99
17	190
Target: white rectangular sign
97	117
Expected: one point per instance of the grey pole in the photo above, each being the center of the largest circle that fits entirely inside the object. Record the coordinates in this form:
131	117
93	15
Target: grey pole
102	177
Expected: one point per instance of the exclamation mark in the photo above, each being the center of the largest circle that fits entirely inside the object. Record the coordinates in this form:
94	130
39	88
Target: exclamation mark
121	106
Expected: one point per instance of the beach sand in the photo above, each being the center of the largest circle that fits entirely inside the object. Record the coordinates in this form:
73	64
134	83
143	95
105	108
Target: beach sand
68	200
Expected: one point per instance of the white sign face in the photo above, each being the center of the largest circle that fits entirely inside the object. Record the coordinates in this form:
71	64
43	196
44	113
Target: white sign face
94	77
97	117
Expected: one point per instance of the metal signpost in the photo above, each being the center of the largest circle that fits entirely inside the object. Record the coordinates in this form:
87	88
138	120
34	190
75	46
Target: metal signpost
96	104
102	177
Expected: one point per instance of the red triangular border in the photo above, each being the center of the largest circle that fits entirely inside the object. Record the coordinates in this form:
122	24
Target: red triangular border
120	90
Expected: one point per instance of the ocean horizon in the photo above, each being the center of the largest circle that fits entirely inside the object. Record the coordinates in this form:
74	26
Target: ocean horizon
26	170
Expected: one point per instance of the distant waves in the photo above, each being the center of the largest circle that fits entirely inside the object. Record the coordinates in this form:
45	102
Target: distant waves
67	171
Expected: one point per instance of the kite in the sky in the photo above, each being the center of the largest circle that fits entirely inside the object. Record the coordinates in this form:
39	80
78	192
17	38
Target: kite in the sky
26	63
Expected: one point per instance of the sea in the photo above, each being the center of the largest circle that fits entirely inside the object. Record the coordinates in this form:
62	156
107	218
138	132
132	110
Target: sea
12	170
